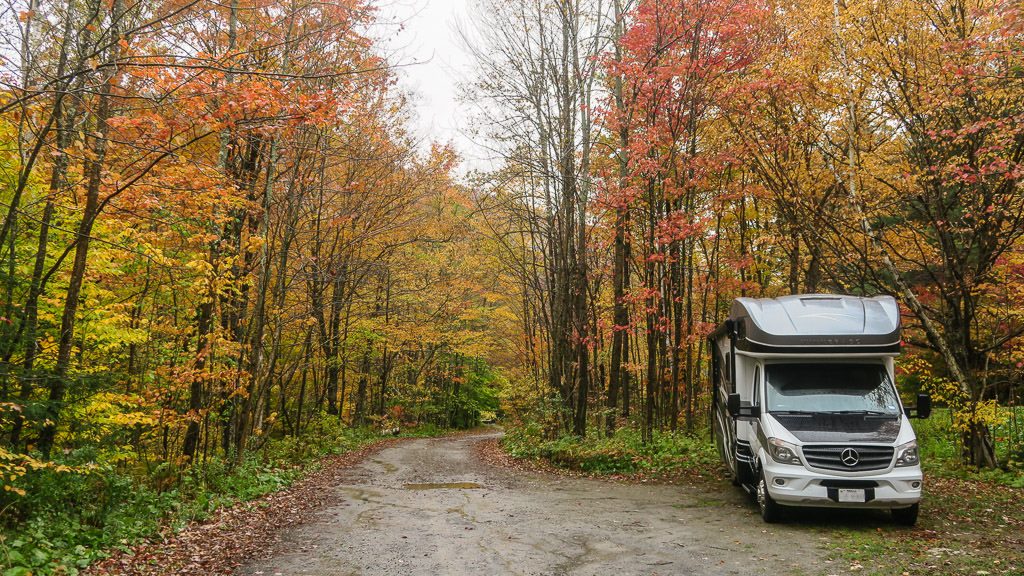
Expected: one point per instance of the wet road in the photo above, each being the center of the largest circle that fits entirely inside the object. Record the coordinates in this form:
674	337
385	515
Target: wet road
431	507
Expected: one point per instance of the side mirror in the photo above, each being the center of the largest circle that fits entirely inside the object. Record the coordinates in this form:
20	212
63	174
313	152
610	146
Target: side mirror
734	405
737	410
924	405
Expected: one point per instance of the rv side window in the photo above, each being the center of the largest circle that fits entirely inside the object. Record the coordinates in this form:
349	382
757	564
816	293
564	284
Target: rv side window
756	400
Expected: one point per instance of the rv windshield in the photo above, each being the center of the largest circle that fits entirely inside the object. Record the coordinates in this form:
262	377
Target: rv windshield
830	388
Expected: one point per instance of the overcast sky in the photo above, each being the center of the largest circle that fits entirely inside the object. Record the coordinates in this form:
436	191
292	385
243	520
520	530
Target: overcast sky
421	35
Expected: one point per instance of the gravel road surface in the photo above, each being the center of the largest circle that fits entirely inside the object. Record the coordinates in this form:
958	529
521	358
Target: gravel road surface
433	507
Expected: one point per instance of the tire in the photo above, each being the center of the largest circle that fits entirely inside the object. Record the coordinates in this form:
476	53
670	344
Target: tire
906	516
771	511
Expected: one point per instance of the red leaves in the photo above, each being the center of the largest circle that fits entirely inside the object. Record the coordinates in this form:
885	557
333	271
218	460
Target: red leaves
680	225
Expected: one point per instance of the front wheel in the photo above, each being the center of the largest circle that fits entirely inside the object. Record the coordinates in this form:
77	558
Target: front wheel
771	511
906	516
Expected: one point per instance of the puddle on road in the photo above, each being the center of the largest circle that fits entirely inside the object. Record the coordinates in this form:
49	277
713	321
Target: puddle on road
361	494
389	468
444	486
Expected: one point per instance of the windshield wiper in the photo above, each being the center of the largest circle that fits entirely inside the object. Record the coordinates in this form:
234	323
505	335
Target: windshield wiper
792	412
875	413
865	413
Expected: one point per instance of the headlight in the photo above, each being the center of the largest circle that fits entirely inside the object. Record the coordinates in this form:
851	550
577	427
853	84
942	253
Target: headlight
783	452
906	454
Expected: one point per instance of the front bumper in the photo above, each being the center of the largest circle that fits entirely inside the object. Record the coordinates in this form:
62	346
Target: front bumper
894	488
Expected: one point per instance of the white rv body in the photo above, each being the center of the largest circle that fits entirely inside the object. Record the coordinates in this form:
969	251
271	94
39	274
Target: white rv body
816	419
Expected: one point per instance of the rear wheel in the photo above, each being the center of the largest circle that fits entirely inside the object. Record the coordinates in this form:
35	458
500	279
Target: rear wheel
771	511
906	516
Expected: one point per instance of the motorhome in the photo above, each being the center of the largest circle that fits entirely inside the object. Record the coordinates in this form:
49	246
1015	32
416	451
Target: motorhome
805	410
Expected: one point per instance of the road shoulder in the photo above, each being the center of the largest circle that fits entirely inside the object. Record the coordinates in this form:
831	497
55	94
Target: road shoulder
234	535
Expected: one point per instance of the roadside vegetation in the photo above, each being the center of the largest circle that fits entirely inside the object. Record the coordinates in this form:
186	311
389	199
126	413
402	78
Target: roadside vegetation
79	511
624	453
940	446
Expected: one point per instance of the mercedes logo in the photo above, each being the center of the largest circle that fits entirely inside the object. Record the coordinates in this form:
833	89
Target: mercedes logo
850	457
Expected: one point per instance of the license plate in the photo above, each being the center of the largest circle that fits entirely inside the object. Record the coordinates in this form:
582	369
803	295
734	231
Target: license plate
851	495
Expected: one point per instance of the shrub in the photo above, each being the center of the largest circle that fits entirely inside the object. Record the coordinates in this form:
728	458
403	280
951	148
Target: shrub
622	453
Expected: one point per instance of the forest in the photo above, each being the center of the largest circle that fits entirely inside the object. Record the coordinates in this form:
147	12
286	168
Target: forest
224	252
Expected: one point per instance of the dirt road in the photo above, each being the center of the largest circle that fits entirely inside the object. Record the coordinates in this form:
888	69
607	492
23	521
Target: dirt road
432	507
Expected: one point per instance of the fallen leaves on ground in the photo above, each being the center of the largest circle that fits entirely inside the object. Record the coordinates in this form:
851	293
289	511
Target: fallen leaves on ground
231	536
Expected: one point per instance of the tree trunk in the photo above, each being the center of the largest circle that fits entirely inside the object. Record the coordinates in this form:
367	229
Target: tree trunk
94	177
204	325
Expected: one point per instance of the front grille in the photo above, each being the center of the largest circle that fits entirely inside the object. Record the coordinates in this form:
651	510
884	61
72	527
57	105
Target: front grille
831	457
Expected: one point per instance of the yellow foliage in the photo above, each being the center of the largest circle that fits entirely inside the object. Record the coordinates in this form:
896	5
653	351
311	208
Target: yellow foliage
108	415
966	412
13	466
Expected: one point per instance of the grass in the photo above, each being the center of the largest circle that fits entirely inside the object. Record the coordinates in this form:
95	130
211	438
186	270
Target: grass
68	521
